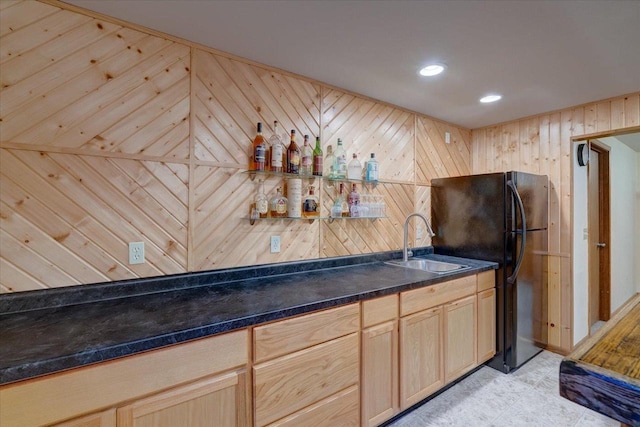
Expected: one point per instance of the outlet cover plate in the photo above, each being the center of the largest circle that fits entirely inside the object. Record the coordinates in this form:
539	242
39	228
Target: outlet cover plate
136	253
275	244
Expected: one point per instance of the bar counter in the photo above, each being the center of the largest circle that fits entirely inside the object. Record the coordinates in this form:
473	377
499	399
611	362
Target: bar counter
603	373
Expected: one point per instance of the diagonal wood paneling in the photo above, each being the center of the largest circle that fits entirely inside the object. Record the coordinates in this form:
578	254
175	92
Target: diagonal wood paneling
368	127
358	236
434	157
67	219
76	82
230	97
125	122
223	235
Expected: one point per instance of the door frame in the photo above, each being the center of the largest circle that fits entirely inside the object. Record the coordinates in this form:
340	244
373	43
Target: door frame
604	254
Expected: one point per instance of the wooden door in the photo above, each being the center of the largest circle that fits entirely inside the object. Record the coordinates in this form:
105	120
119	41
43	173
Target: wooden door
421	356
599	234
486	325
379	378
100	419
594	236
460	337
218	401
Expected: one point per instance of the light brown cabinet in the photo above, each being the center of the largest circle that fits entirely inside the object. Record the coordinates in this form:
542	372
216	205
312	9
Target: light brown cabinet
379	360
219	401
358	364
421	355
305	384
117	383
486	325
460	337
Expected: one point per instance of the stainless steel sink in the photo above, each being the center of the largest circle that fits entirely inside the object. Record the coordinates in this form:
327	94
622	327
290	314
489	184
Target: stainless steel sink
438	267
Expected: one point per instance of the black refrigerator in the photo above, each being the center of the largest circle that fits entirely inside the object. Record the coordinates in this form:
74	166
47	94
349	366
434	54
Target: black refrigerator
501	217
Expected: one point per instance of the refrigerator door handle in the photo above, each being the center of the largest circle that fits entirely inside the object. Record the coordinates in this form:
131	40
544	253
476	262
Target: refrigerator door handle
511	279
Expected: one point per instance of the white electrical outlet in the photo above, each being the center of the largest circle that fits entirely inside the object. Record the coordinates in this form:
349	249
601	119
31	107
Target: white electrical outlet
275	244
447	137
136	253
419	232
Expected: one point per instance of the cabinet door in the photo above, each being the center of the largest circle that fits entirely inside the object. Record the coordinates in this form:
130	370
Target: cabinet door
101	419
486	325
421	367
379	373
219	401
460	337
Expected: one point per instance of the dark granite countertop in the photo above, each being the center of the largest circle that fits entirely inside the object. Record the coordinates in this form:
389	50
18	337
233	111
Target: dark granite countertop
62	332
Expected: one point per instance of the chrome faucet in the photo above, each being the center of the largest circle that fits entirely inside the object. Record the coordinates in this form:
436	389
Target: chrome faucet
405	253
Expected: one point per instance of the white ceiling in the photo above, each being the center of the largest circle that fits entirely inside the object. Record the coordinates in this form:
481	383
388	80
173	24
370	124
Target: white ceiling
540	55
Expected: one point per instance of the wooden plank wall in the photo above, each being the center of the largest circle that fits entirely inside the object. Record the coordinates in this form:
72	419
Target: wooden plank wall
542	144
110	135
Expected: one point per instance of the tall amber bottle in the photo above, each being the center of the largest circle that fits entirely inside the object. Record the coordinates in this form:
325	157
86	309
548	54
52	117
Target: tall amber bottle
293	155
259	151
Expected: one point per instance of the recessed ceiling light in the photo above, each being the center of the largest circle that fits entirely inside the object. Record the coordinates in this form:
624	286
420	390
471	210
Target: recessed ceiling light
432	70
490	98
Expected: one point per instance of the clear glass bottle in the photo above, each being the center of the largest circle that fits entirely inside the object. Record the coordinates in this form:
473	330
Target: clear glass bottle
341	161
330	161
276	150
259	151
310	206
344	200
354	170
293	155
306	162
336	209
278	205
317	158
373	169
354	201
261	201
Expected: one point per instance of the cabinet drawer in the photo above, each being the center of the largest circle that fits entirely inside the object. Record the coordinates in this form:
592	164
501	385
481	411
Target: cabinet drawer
379	310
341	409
486	280
286	336
290	383
441	293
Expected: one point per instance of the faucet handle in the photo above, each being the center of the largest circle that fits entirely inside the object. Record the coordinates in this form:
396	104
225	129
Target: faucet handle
409	251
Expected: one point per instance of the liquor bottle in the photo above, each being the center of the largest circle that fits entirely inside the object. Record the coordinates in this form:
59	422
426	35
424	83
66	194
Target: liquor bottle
276	150
372	169
306	163
278	205
344	200
354	171
310	207
341	161
336	209
293	155
354	201
262	203
317	158
294	198
259	151
330	161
